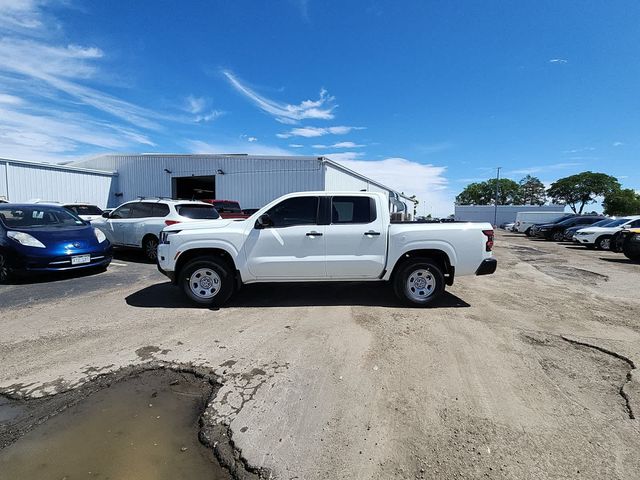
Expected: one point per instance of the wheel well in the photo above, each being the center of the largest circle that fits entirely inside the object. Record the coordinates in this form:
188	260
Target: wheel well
148	235
219	253
440	258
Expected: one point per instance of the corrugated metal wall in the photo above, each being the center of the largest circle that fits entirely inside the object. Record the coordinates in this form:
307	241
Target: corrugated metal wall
253	181
24	181
506	213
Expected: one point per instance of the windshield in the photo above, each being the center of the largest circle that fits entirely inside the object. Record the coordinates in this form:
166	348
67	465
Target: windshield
618	222
603	223
84	209
229	207
37	216
197	212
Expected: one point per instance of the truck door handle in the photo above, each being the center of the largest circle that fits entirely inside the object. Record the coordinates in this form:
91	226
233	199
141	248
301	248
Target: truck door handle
371	232
314	234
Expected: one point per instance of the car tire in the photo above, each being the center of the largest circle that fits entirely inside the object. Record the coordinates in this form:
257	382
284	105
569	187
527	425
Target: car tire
603	242
150	248
5	270
424	274
527	232
557	236
207	281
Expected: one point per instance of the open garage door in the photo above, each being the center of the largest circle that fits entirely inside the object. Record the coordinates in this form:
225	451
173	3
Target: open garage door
194	188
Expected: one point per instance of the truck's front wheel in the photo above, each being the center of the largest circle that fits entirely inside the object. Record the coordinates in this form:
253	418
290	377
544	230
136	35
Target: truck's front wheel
419	282
207	281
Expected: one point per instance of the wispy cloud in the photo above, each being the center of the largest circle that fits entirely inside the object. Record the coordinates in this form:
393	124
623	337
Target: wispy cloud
618	144
311	132
559	60
321	109
296	145
340	145
197	107
544	168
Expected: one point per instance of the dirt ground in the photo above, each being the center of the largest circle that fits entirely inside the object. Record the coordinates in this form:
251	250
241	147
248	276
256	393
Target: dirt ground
529	373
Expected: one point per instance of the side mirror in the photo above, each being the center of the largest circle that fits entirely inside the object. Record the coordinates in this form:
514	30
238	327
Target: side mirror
264	221
105	215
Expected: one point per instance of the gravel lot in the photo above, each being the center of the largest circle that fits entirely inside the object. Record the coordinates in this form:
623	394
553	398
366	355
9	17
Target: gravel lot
528	373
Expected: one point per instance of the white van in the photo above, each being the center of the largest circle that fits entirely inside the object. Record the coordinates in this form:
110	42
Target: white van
525	220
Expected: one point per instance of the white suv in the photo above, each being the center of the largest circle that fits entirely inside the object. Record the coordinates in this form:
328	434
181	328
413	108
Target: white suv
138	223
600	237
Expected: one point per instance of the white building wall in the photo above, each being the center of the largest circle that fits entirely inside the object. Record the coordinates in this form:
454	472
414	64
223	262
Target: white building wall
252	180
506	213
24	181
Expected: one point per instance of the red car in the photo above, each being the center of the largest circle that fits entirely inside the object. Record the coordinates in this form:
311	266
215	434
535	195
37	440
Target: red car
227	208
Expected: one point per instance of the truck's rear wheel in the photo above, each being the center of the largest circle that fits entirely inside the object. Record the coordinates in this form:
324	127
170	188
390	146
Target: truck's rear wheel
207	281
419	282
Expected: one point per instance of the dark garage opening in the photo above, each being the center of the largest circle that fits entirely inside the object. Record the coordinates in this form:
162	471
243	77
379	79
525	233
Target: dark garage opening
194	188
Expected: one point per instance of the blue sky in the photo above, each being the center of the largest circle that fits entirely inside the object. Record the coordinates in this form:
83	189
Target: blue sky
425	96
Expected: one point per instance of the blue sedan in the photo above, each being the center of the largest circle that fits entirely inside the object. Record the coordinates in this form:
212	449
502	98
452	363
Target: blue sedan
47	238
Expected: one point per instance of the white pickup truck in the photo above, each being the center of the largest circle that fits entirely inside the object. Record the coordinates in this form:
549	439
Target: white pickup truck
323	236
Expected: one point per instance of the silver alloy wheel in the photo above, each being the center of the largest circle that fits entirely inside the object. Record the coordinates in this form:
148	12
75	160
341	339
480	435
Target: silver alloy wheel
151	249
205	283
4	270
420	284
605	244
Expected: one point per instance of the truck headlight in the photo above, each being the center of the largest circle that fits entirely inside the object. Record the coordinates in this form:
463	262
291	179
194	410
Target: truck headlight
165	236
25	239
100	236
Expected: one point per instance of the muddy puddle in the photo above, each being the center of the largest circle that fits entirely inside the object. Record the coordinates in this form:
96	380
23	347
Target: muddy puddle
144	426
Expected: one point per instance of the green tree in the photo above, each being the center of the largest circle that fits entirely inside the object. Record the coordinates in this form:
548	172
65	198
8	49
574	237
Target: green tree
484	193
532	191
622	202
581	189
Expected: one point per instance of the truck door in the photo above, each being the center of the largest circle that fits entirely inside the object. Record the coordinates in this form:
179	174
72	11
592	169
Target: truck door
356	238
293	246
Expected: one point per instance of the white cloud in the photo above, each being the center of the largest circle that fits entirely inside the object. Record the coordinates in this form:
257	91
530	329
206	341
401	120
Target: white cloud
558	60
321	109
208	117
195	104
199	146
310	132
252	139
296	145
425	181
340	145
618	144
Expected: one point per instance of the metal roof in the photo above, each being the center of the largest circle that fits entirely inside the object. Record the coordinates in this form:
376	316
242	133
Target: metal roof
57	166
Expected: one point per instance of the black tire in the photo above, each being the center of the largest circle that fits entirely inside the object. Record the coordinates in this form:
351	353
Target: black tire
5	270
557	236
416	268
150	248
603	242
631	247
210	267
527	232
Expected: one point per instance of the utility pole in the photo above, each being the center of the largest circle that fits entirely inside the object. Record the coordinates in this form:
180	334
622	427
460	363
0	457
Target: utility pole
495	212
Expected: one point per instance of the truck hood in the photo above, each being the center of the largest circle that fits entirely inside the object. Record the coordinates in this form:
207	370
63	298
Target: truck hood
200	225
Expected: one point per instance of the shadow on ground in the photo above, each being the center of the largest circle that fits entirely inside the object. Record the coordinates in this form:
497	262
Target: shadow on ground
165	295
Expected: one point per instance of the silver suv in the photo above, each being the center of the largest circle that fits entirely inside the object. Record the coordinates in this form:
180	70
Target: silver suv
138	224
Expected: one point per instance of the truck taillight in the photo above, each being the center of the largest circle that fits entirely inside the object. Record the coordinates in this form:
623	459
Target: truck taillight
171	222
489	244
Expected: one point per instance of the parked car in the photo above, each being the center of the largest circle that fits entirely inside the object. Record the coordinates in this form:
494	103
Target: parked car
324	236
600	237
137	224
526	220
555	231
85	211
570	232
249	211
45	238
508	226
228	208
630	240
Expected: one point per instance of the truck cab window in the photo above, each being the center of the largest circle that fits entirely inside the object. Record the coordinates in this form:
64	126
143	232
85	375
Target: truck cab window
353	210
295	211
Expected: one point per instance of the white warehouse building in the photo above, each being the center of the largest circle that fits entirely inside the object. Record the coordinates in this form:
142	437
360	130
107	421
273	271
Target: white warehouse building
252	180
